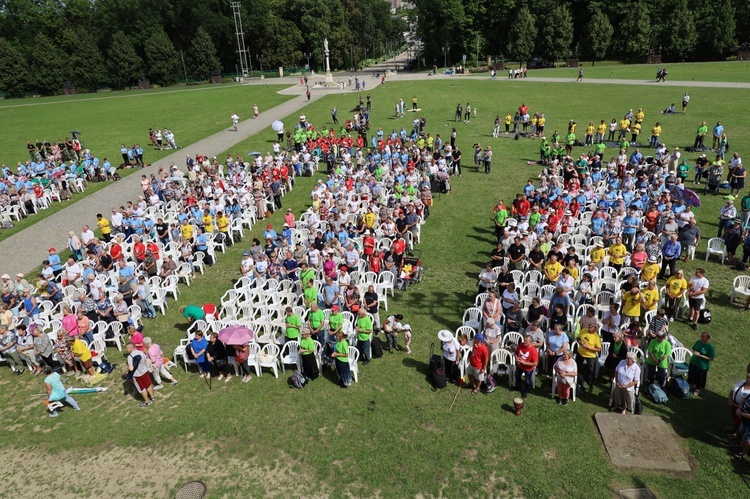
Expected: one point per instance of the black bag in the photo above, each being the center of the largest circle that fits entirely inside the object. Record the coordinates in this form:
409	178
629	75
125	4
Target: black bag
741	266
704	317
376	348
437	369
638	409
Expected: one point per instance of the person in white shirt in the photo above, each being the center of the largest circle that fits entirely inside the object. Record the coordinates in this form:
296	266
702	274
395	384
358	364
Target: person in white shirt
696	295
247	264
72	272
627	375
96	288
116	221
87	236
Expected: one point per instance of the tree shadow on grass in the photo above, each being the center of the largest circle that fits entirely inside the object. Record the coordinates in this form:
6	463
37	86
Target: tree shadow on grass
483	230
488	240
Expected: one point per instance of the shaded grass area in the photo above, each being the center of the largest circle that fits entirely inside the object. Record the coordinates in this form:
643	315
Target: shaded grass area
108	120
391	434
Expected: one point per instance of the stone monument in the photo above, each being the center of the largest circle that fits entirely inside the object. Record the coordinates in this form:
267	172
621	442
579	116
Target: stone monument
329	76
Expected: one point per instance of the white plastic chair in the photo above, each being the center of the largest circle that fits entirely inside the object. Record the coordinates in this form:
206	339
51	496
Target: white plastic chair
602	358
289	354
679	361
268	357
353	366
467	331
180	352
505	357
740	286
473	318
512	338
116	328
716	246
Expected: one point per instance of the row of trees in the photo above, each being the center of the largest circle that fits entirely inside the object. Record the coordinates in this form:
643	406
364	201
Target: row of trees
552	29
95	43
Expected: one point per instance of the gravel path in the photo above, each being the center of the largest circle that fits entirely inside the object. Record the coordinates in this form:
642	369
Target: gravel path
25	251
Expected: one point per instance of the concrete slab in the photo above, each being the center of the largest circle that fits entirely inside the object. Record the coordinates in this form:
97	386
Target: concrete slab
641	442
636	494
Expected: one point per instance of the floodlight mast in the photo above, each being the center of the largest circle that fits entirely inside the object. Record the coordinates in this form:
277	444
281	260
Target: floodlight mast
241	50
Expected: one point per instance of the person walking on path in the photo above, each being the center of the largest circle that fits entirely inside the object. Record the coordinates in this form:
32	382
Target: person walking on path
580	74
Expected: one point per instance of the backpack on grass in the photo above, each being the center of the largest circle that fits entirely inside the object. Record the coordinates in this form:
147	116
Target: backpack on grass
680	388
657	394
376	348
297	380
704	317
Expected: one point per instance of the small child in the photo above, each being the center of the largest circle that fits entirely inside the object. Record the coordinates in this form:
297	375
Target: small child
406	328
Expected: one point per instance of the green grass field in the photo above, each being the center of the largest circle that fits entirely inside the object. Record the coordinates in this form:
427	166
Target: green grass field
736	71
390	435
109	119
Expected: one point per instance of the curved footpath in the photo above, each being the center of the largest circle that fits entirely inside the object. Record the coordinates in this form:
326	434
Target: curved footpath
25	250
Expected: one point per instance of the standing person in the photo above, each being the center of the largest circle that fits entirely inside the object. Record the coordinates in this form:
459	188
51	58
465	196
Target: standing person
392	328
256	112
527	358
565	369
487	160
589	346
718	131
139	374
703	354
198	347
292	323
155	354
341	354
627	375
479	358
451	355
216	352
414	103
685	101
235	121
334	114
307	353
700	135
363	327
56	391
675	287
307	93
580	74
696	295
657	359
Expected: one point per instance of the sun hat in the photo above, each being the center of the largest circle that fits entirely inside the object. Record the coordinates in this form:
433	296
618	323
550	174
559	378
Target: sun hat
19	275
445	335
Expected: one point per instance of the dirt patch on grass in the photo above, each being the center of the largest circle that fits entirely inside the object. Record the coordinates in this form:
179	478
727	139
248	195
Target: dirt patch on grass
131	472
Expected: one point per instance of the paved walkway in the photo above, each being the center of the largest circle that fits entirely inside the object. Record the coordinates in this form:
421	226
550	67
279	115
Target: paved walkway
24	251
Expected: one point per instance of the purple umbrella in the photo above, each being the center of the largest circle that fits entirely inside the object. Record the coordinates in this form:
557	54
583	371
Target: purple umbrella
691	197
236	335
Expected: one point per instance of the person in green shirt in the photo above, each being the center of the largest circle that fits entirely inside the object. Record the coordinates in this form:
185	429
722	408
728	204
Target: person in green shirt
364	335
703	353
570	141
700	135
341	354
310	293
292	323
335	322
316	321
309	362
599	149
306	274
544	151
192	313
624	145
657	359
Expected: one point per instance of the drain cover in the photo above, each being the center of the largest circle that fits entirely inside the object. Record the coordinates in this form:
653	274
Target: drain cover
191	490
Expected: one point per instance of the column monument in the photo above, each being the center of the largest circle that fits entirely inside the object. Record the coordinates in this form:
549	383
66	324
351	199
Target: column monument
329	76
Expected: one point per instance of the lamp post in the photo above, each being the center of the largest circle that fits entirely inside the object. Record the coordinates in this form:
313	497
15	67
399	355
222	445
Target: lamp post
259	57
307	55
446	51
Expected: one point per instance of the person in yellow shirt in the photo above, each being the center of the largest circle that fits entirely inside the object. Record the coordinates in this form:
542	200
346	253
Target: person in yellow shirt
575	271
534	121
655	132
601	129
572	126
222	223
635	130
631	304
590	133
508	121
104	227
552	269
649	297
650	269
624	127
597	254
370	218
208	221
540	125
81	352
676	286
639	116
589	346
187	230
617	254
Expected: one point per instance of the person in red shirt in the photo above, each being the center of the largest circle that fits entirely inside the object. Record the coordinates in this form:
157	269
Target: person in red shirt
479	357
139	249
153	248
369	243
397	249
115	251
527	358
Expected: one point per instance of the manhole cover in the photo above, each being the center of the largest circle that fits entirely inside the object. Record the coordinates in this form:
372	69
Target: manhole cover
191	490
636	494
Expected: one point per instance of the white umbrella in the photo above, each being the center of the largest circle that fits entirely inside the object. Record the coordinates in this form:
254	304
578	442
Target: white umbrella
277	126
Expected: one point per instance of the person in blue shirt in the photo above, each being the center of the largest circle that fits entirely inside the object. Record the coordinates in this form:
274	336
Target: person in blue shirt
198	346
670	253
269	233
717	132
286	234
629	226
56	391
137	224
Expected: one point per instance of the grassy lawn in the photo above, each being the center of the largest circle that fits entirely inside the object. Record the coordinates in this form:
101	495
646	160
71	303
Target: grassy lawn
109	119
737	71
390	435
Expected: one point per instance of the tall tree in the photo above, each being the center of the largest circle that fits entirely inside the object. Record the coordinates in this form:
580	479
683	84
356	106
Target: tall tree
125	65
48	65
522	35
14	77
202	60
635	32
598	36
161	58
722	39
557	34
87	69
680	36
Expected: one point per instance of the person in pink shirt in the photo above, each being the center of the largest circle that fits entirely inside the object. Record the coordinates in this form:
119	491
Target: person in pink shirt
156	356
136	338
69	321
289	218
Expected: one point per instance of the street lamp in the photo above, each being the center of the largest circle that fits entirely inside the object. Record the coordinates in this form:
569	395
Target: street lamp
446	51
307	55
259	57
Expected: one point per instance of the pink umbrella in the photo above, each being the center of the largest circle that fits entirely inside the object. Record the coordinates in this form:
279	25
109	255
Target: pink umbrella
236	335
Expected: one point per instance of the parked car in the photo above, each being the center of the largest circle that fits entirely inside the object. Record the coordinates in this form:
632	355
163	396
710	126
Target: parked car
540	64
